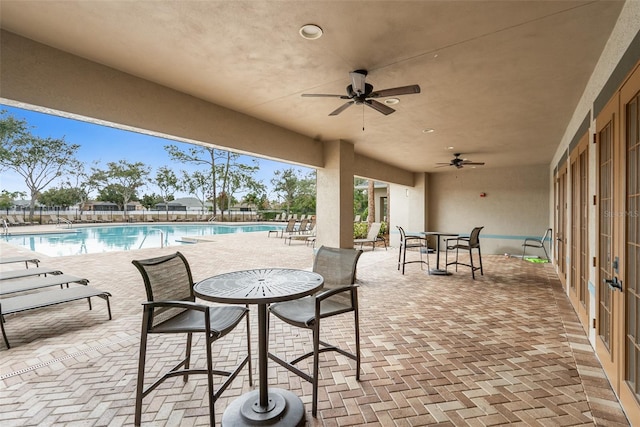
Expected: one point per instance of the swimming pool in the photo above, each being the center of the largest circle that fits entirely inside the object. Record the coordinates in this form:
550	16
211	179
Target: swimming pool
92	240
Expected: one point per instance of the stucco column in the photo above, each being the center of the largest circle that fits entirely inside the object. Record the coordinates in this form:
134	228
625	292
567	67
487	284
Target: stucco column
334	204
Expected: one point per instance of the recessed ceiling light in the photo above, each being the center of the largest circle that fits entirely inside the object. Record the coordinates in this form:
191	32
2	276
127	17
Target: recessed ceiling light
311	32
449	148
391	101
428	130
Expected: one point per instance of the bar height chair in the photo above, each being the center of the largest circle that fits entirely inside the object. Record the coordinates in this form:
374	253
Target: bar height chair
412	242
466	244
171	309
338	296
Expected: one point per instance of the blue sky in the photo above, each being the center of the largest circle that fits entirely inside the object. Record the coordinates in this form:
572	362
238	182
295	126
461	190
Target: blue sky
106	144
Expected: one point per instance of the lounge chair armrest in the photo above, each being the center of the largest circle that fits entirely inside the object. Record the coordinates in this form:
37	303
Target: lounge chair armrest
188	305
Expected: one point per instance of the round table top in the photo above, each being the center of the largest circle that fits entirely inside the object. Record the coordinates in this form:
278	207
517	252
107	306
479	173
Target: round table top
259	286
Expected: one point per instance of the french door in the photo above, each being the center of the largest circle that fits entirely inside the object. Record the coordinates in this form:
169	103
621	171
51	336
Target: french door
579	266
618	234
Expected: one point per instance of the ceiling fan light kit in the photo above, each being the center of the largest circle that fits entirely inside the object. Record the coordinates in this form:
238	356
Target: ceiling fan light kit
360	92
459	163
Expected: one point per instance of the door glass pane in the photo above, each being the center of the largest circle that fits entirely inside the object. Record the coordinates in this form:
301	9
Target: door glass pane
632	219
605	222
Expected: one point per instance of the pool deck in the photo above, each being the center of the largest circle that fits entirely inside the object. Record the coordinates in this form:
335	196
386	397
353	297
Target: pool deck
505	349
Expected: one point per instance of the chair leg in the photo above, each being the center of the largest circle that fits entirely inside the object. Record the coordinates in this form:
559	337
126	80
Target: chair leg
316	370
473	270
212	399
457	252
426	248
140	382
404	257
400	255
356	316
249	345
480	256
545	252
187	360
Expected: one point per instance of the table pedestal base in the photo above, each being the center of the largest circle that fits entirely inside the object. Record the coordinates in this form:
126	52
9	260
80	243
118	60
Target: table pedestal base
439	272
284	408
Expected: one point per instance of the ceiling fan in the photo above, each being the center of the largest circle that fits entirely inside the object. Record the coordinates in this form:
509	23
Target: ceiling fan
361	93
460	163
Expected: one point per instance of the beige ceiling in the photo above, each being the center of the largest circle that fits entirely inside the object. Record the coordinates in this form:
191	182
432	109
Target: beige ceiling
500	79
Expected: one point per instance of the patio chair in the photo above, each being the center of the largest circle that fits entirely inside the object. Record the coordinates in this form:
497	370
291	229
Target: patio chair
290	228
412	242
372	237
339	296
20	221
531	242
170	309
466	244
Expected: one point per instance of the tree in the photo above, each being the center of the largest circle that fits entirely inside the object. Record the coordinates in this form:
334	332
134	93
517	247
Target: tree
38	160
305	200
371	203
150	201
199	184
61	197
236	177
285	184
200	156
7	198
168	183
80	181
359	197
121	179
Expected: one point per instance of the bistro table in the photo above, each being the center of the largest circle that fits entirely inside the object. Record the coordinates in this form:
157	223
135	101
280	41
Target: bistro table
266	406
437	271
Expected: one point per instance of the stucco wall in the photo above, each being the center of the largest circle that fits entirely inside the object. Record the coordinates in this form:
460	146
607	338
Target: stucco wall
516	205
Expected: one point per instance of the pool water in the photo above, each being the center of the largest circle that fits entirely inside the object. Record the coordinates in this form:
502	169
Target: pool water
92	240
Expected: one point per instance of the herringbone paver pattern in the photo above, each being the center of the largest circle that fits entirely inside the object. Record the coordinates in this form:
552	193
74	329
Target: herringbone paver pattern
505	349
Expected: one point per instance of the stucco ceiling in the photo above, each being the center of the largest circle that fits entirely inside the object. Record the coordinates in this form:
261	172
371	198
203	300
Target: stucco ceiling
500	79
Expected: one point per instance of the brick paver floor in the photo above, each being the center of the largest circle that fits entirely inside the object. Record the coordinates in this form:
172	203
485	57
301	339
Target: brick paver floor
505	349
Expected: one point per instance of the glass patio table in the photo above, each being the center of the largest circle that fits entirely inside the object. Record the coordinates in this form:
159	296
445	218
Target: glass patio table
265	406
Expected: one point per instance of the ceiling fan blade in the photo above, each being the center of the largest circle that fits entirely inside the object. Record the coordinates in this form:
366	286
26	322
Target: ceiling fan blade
473	163
404	90
324	95
357	81
443	164
379	107
341	108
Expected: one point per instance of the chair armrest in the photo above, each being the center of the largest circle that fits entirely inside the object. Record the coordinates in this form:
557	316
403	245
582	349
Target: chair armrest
328	293
538	241
187	305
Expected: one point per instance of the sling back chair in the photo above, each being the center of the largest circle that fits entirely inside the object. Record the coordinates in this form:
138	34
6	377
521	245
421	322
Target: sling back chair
372	237
536	243
412	242
466	244
171	309
338	296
